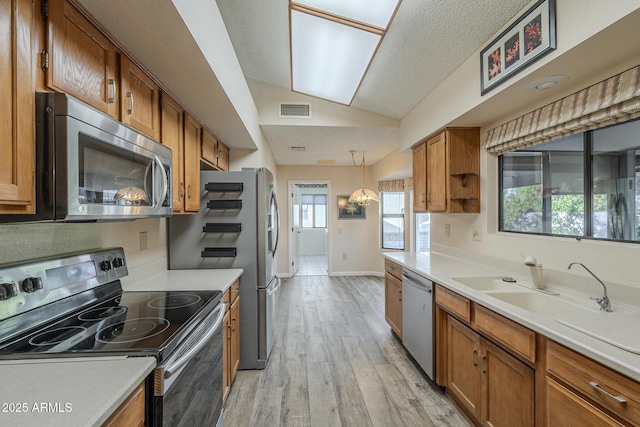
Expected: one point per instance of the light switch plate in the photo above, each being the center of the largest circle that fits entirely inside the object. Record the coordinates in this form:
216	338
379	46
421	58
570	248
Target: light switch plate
447	230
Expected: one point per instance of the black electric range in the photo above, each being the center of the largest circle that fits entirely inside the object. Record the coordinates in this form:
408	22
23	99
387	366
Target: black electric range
76	305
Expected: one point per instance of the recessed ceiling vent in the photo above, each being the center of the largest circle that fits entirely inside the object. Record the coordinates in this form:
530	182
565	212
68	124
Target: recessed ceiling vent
295	111
294	148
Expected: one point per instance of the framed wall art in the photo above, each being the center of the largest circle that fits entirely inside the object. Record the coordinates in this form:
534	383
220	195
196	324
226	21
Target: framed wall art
530	37
348	210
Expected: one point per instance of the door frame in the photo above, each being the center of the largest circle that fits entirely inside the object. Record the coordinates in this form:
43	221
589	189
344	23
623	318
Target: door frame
290	232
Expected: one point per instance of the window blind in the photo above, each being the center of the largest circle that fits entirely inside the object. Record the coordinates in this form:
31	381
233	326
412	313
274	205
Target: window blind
614	100
395	185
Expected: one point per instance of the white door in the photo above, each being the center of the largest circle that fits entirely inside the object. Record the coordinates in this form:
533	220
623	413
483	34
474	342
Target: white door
295	229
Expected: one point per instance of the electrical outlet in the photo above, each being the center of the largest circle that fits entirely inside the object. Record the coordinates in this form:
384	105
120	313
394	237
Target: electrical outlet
476	233
143	240
447	230
344	255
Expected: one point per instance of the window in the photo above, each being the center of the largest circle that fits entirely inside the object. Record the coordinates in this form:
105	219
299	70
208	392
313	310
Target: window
313	211
585	185
392	206
423	228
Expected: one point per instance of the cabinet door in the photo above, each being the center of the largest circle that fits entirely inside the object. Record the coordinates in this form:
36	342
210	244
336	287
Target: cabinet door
226	365
463	366
209	148
508	389
139	99
82	59
173	137
234	354
17	162
420	178
223	156
437	174
393	303
192	135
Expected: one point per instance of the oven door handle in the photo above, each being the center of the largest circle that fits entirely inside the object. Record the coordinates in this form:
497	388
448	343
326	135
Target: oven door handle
189	354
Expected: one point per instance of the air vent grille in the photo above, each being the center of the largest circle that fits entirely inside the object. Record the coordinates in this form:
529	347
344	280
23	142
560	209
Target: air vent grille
299	111
298	148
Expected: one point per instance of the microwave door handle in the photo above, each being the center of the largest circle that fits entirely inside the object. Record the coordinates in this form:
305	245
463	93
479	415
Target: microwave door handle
165	182
189	354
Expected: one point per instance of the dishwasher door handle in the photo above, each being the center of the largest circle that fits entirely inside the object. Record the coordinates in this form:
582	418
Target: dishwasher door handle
422	286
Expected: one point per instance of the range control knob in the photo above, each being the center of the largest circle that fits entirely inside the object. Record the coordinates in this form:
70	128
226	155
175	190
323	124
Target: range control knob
31	284
118	262
8	290
106	265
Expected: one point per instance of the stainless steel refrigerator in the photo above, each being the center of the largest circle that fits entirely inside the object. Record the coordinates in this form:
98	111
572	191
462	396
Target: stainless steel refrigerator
237	227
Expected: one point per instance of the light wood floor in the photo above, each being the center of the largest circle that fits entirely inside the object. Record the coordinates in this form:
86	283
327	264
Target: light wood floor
336	363
312	265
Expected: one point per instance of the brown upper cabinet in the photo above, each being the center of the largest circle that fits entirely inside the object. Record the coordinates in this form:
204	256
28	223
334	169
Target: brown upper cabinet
139	99
452	172
17	162
420	178
192	142
214	153
173	137
81	60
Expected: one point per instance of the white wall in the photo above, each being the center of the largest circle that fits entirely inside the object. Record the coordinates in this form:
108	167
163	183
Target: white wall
312	241
577	21
358	239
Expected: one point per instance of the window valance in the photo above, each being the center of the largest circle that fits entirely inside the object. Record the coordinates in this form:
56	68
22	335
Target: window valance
613	100
396	185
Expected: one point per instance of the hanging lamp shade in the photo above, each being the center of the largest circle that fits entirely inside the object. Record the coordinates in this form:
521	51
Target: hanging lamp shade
362	196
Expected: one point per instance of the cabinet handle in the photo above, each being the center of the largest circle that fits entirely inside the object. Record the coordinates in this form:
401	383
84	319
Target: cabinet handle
606	393
229	333
233	322
400	295
484	364
181	190
113	91
473	357
130	96
189	191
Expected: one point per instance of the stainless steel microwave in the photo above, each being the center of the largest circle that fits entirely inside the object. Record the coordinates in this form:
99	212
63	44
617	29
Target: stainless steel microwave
90	167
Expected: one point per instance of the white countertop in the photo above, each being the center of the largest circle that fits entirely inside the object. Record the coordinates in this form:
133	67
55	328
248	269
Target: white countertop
173	280
441	268
86	391
67	392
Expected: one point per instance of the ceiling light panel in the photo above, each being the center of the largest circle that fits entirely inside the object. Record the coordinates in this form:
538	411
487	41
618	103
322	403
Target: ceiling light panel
329	59
376	13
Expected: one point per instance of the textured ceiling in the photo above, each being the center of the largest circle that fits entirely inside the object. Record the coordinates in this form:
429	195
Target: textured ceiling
427	40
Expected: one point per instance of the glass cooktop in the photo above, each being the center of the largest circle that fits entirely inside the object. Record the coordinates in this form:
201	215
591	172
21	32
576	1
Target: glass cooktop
130	323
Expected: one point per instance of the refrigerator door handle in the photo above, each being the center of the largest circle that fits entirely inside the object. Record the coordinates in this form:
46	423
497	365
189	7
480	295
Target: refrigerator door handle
276	288
277	222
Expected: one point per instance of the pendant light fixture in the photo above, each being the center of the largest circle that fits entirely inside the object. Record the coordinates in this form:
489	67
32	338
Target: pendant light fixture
362	196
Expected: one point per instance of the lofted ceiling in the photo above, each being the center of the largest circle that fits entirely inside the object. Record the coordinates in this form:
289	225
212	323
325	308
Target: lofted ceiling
426	41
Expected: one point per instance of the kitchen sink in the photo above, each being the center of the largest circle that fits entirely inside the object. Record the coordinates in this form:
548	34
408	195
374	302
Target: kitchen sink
540	303
486	283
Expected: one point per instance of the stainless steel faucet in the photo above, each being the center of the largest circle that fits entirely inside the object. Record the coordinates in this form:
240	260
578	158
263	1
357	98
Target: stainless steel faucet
605	304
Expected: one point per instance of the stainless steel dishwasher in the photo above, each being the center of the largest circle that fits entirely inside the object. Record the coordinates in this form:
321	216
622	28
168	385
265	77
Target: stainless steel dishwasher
418	320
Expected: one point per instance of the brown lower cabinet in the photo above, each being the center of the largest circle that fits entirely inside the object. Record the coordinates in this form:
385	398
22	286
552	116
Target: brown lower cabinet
231	347
501	373
131	412
494	387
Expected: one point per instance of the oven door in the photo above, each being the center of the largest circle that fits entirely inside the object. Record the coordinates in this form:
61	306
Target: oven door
188	385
